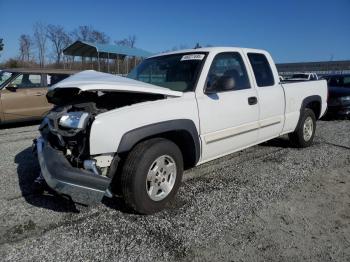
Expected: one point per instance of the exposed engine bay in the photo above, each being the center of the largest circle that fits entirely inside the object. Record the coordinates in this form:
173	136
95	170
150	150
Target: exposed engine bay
67	126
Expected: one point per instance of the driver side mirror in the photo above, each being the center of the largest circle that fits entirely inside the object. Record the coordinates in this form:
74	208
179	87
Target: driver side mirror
225	83
12	87
209	89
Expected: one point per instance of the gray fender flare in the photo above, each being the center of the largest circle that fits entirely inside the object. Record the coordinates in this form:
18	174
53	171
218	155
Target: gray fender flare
307	100
132	137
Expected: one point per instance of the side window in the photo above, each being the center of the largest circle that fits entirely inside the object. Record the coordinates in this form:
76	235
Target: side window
262	69
53	79
227	73
27	81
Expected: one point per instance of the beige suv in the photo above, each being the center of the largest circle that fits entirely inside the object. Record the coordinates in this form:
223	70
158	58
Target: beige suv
23	92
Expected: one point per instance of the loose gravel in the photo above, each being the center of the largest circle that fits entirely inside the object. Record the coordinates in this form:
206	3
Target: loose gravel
269	202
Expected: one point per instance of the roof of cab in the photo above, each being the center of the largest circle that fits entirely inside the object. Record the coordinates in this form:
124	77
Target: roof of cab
211	49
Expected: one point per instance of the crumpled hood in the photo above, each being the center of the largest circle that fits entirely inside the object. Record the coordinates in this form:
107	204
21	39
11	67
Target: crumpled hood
91	80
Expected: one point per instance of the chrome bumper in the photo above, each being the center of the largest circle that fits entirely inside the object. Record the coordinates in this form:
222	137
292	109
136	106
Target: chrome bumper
80	185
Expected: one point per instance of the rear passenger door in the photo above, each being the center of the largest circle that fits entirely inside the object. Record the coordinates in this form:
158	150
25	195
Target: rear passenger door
228	109
26	98
270	96
37	94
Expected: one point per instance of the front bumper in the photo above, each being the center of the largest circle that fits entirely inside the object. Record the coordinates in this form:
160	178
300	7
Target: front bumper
80	185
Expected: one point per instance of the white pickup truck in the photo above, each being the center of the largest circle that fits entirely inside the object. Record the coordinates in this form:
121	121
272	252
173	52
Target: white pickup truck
134	136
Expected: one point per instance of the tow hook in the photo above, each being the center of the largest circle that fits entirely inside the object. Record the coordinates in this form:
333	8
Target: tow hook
91	165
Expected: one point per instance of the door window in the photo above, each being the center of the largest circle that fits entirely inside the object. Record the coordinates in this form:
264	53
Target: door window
227	73
27	81
5	76
53	79
262	69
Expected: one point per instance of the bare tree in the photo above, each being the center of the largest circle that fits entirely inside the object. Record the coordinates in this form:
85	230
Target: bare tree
130	41
82	33
67	60
40	38
1	44
88	33
99	37
25	47
59	39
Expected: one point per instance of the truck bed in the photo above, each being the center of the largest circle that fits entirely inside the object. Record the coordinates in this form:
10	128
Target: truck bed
295	92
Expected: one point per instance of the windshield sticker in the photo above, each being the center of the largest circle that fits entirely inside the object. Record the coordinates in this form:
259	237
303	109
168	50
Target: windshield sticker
192	57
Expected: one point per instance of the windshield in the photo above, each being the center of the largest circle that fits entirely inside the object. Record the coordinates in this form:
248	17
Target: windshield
304	76
4	76
178	72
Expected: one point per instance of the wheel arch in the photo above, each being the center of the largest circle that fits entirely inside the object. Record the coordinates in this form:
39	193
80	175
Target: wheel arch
182	132
314	103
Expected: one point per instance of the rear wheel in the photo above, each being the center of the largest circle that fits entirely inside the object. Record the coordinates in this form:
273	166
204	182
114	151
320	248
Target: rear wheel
304	134
151	175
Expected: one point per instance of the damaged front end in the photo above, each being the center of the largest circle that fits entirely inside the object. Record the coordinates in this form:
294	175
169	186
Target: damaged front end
63	148
80	185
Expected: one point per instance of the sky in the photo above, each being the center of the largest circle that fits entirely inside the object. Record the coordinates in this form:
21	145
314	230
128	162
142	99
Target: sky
292	31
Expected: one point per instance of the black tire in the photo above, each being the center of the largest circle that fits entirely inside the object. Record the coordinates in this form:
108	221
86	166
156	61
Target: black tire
135	170
297	137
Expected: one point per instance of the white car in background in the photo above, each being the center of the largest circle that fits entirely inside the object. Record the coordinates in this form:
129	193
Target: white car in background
110	135
303	77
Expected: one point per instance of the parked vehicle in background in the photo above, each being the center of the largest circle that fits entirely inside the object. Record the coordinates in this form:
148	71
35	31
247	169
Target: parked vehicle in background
134	137
23	92
303	77
339	95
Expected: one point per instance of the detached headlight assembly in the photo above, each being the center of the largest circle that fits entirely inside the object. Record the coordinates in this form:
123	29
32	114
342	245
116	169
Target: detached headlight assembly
74	120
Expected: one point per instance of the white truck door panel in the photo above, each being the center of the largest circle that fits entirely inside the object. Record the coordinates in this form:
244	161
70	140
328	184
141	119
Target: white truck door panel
270	95
271	102
228	122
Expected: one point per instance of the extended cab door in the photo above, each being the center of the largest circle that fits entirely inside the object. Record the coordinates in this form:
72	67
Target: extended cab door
228	109
24	98
270	95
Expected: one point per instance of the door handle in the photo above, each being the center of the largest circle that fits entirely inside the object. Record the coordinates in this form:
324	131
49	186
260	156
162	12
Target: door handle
252	100
39	94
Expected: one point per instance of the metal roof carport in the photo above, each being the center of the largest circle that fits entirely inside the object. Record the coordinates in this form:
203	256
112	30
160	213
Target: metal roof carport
106	51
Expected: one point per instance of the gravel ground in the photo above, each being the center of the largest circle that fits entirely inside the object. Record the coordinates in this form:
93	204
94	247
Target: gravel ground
267	203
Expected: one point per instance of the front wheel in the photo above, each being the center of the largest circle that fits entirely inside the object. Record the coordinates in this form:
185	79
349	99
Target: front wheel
151	175
304	134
